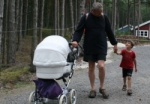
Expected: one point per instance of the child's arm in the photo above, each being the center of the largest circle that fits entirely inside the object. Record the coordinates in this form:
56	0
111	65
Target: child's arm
135	65
118	53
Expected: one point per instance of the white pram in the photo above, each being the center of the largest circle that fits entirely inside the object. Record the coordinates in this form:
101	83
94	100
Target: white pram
54	58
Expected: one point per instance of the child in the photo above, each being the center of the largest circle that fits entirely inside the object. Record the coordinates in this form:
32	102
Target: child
128	62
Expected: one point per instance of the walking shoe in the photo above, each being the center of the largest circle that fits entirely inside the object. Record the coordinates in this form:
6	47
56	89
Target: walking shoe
92	94
104	94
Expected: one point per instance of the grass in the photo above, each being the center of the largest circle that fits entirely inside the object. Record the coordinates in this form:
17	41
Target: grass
20	84
11	76
142	38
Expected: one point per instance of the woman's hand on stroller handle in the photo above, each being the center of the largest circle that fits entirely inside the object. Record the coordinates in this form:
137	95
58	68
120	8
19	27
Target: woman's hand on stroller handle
74	49
74	44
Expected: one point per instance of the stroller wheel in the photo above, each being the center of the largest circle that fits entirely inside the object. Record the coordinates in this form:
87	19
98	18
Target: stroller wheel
73	96
63	99
31	98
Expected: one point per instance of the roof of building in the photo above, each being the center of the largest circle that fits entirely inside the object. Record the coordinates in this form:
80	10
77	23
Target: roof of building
124	27
142	24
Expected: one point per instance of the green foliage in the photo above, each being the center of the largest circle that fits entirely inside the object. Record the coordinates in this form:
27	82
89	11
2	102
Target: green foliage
145	8
68	34
46	32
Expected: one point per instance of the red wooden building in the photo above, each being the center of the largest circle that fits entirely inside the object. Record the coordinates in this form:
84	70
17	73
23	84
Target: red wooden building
144	30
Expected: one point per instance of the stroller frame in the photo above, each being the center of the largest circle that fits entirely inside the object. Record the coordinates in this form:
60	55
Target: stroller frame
36	98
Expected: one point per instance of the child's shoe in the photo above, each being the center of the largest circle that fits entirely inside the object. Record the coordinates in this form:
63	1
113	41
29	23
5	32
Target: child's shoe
129	92
124	88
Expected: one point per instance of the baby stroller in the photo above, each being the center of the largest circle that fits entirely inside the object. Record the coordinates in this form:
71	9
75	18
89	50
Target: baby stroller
54	59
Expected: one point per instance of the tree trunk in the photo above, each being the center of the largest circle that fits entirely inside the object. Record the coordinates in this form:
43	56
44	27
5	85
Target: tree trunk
139	6
76	10
134	19
63	18
11	57
1	21
34	37
87	6
129	16
41	12
58	29
114	15
72	17
101	1
25	18
5	33
81	8
17	18
113	6
140	15
118	19
17	15
20	26
56	16
48	11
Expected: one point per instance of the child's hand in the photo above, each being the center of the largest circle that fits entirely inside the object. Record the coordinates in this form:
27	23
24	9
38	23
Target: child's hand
115	51
135	69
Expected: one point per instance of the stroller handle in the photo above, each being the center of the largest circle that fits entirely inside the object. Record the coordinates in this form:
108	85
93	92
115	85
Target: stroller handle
74	50
70	43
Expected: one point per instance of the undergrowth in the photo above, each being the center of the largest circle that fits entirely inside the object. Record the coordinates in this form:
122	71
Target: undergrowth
10	76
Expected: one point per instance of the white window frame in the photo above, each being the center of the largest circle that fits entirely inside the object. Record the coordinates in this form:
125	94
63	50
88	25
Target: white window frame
141	33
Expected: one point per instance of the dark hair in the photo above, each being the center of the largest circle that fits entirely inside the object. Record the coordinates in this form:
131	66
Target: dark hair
132	43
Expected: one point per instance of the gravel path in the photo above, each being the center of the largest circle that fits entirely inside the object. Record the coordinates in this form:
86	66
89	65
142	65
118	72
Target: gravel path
113	83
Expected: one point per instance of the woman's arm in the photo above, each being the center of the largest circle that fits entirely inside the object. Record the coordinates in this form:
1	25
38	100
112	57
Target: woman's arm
109	31
79	31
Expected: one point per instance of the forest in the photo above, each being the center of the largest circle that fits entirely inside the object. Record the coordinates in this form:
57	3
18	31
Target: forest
24	23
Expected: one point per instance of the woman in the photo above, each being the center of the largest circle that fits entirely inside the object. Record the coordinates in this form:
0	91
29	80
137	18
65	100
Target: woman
97	27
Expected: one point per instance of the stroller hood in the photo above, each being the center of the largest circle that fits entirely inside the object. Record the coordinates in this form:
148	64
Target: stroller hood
51	52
